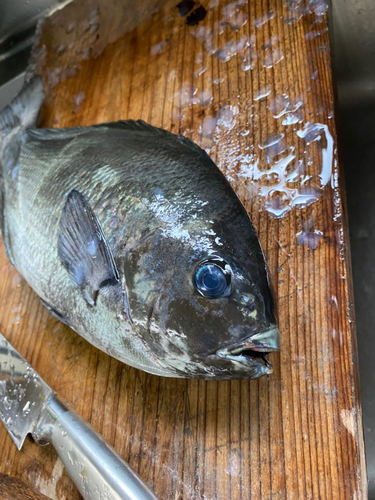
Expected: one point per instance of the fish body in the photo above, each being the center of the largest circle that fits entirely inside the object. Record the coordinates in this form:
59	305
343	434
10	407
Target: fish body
133	237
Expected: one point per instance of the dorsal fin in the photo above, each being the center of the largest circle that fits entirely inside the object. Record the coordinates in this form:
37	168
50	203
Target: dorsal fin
136	126
143	127
47	134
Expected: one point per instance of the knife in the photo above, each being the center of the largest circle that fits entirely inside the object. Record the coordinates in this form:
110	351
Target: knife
29	405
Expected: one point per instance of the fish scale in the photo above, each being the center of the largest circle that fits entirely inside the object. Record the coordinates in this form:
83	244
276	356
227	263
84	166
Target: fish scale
134	238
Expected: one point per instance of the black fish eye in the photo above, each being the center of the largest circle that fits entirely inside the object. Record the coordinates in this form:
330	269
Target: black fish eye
213	279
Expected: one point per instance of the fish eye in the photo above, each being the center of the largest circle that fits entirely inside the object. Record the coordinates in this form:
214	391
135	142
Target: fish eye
213	279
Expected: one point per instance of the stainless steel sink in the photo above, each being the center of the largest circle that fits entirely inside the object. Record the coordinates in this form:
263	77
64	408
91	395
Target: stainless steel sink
353	28
354	61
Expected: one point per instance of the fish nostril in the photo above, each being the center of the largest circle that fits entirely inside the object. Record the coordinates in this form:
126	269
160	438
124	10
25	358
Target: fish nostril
248	302
250	306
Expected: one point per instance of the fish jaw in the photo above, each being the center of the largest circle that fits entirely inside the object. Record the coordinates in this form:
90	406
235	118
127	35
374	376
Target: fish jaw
252	351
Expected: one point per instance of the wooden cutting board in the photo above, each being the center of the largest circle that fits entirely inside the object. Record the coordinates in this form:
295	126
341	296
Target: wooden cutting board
251	82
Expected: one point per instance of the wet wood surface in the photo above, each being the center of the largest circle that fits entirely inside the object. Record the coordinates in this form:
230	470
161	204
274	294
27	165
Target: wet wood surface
293	435
12	488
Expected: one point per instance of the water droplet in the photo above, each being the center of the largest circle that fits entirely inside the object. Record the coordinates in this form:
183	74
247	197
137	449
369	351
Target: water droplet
259	21
26	409
280	105
201	33
2	386
295	172
159	47
16	319
238	21
252	40
272	57
220	26
296	9
207	128
226	116
271	42
309	238
216	81
264	92
273	145
209	45
270	179
311	35
232	48
293	118
249	59
199	71
320	7
277	203
230	10
18	280
8	403
176	115
226	53
172	75
205	97
77	101
21	392
184	97
199	58
311	132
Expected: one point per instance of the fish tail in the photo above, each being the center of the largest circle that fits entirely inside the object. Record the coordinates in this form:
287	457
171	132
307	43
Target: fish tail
23	110
18	116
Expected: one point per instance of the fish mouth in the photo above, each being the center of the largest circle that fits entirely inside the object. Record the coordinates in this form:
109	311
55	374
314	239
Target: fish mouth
253	350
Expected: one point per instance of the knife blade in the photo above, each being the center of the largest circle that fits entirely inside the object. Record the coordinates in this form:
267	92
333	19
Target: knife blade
29	405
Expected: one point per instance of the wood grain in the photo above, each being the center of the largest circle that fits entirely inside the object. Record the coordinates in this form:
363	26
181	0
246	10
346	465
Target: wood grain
296	434
12	488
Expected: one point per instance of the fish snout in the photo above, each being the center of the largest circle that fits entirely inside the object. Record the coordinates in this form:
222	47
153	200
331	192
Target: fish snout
253	349
266	341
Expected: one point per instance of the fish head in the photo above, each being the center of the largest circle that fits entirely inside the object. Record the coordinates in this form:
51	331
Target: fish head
202	302
186	292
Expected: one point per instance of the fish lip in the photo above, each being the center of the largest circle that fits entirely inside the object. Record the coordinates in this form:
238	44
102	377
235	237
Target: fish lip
255	360
253	350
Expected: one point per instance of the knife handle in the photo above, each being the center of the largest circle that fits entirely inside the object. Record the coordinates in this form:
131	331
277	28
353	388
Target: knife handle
12	488
95	468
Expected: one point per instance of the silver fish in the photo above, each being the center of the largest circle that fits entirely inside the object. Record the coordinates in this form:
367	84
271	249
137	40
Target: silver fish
133	237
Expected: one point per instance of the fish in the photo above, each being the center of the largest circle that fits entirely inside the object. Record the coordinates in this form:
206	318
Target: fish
133	237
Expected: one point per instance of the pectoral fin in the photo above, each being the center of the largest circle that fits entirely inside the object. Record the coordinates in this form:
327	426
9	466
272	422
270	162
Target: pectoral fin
83	249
